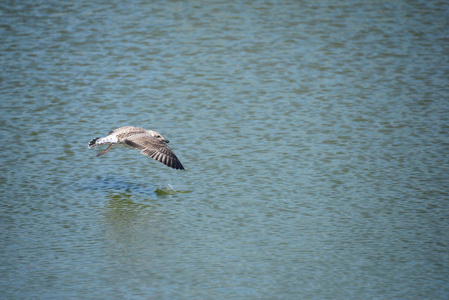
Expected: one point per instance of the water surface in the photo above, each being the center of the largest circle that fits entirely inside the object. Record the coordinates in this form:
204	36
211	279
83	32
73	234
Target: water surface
314	134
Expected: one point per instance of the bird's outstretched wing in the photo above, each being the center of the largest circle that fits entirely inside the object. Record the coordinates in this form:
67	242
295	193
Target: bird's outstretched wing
155	149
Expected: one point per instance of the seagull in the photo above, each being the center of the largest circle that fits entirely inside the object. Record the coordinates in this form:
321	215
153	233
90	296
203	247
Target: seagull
149	142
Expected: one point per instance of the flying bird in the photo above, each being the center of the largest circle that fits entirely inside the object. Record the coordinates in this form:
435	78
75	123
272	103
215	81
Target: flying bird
149	142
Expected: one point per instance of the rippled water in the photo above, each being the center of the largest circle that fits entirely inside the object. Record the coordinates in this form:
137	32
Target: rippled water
314	134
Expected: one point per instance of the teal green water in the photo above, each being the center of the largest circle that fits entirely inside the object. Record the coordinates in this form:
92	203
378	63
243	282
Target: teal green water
314	134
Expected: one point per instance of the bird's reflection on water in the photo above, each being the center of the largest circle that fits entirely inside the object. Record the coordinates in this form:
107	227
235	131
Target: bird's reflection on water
117	185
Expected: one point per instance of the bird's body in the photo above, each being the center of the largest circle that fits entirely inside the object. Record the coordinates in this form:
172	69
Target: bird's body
149	142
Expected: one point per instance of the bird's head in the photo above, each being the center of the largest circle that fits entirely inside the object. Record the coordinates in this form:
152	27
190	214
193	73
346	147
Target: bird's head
158	136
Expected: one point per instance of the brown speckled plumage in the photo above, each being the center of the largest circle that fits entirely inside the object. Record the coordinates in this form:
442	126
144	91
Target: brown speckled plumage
149	142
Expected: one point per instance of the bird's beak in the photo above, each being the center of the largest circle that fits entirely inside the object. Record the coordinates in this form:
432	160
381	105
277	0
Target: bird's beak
166	141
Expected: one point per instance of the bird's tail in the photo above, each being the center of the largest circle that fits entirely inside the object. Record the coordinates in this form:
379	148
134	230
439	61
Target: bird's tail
104	140
94	143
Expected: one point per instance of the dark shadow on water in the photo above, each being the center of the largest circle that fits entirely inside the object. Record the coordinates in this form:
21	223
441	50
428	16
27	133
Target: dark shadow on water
127	188
168	190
